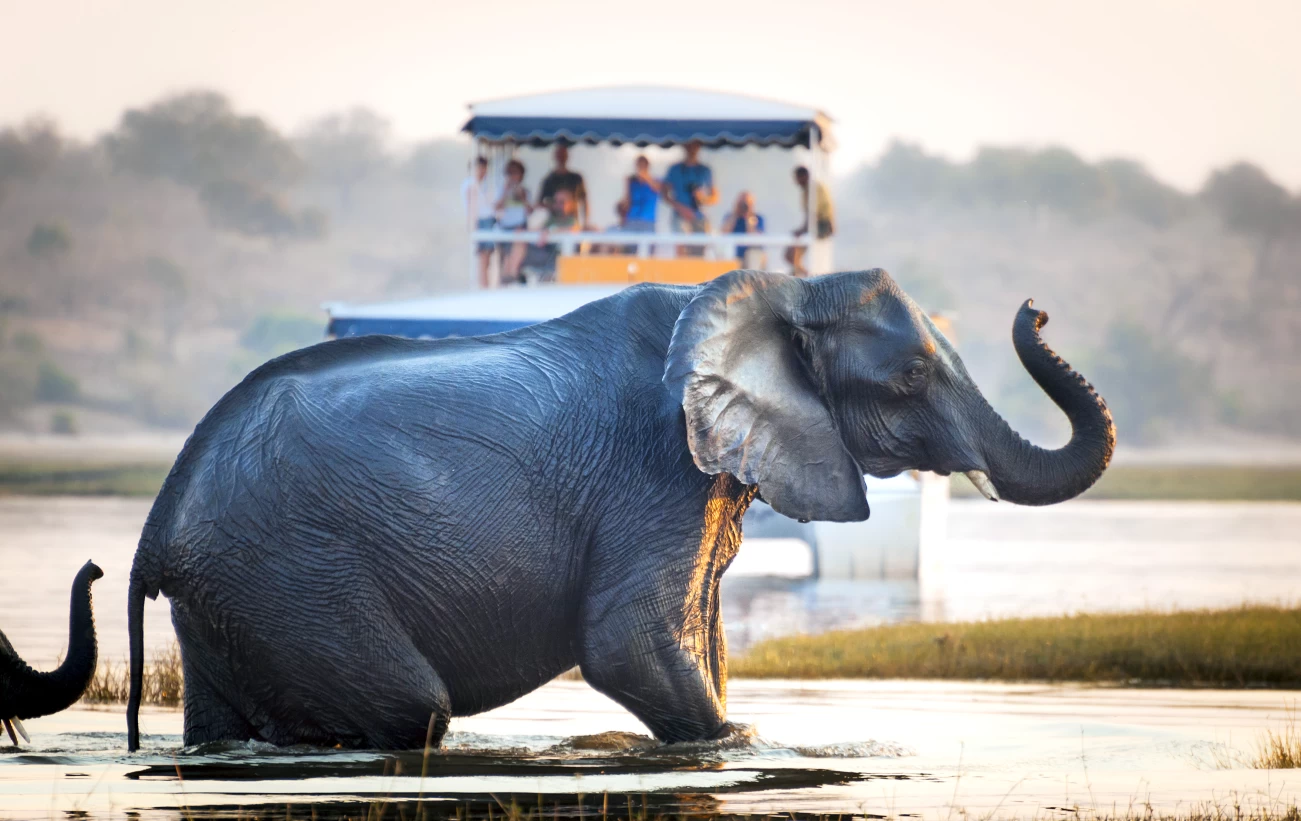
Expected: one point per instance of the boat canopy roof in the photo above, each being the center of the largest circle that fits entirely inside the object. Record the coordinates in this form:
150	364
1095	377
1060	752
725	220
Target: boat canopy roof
649	115
472	313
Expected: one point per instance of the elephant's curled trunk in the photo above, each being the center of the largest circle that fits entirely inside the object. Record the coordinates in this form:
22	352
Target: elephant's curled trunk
28	693
1027	474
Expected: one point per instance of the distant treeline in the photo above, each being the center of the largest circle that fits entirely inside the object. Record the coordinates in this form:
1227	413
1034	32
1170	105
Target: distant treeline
143	272
1242	195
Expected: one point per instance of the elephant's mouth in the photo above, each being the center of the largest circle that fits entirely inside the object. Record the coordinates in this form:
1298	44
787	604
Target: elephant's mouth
888	469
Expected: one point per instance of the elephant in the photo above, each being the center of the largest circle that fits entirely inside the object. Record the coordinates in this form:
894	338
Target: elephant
27	693
371	535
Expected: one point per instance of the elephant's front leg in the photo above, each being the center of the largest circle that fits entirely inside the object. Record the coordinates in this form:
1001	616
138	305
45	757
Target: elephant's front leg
654	643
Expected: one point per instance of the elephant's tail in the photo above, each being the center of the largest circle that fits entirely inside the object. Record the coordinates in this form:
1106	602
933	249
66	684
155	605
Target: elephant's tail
135	614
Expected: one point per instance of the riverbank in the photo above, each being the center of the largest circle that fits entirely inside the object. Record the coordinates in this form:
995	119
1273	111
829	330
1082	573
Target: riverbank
1248	647
1243	647
105	475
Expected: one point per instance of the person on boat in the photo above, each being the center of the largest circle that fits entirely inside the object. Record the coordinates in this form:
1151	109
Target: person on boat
481	209
824	215
744	219
513	207
641	199
539	258
688	187
562	178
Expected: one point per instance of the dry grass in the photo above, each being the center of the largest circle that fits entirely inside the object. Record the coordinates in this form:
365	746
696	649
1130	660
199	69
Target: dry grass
1280	749
1248	646
163	683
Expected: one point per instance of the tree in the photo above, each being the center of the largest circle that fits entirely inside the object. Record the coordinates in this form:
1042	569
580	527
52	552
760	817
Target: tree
173	290
1132	188
28	150
341	150
1151	386
1248	201
906	174
236	163
48	241
436	163
196	138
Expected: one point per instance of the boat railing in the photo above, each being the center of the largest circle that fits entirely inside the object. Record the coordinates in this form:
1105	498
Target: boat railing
572	243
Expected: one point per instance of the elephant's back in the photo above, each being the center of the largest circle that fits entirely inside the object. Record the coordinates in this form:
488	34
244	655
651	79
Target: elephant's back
402	488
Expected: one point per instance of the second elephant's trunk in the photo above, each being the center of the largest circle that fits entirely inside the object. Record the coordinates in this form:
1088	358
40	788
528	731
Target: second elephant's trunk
27	693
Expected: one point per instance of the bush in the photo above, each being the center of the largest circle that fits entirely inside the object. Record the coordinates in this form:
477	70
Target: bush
53	384
273	334
63	423
26	342
48	241
1151	387
17	385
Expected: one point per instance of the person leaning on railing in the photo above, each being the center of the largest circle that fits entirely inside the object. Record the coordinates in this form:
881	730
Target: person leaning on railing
825	219
688	187
539	258
513	209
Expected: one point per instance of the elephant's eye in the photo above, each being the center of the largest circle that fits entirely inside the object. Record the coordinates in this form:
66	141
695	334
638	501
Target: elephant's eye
915	375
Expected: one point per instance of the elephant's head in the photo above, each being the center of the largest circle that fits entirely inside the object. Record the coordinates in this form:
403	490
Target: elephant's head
802	386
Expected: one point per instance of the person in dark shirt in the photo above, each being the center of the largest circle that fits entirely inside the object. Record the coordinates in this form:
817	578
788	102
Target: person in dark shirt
562	179
688	187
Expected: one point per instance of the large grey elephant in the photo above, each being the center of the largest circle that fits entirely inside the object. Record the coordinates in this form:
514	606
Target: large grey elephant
372	535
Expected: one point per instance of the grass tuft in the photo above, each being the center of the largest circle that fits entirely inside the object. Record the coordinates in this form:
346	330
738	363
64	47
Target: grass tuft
1245	647
162	683
1280	749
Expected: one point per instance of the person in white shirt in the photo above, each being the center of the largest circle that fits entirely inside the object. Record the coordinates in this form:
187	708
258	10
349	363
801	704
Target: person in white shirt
481	210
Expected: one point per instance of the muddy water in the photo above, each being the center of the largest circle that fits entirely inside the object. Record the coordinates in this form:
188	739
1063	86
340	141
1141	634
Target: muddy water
999	560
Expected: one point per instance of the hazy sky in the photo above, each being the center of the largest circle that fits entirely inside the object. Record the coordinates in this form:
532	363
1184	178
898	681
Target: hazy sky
1181	85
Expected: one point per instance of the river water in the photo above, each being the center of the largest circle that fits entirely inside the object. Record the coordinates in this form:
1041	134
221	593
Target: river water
892	748
999	560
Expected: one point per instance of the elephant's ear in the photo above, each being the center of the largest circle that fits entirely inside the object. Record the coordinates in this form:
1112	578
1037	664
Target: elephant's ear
751	409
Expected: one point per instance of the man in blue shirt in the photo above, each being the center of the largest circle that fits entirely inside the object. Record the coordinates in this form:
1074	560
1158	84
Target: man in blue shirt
688	187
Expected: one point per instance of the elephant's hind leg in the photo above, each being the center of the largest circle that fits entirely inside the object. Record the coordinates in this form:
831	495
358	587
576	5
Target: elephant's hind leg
210	688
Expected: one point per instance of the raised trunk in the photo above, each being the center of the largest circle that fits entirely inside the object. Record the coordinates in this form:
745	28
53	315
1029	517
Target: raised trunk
27	693
1030	475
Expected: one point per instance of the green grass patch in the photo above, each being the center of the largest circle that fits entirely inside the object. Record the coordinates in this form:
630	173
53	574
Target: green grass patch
1246	647
69	478
1210	483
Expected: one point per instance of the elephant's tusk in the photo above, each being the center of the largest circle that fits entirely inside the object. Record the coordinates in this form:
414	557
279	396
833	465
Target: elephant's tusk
22	731
10	729
981	480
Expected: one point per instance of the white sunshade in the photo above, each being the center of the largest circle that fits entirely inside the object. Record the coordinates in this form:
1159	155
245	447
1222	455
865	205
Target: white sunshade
645	103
